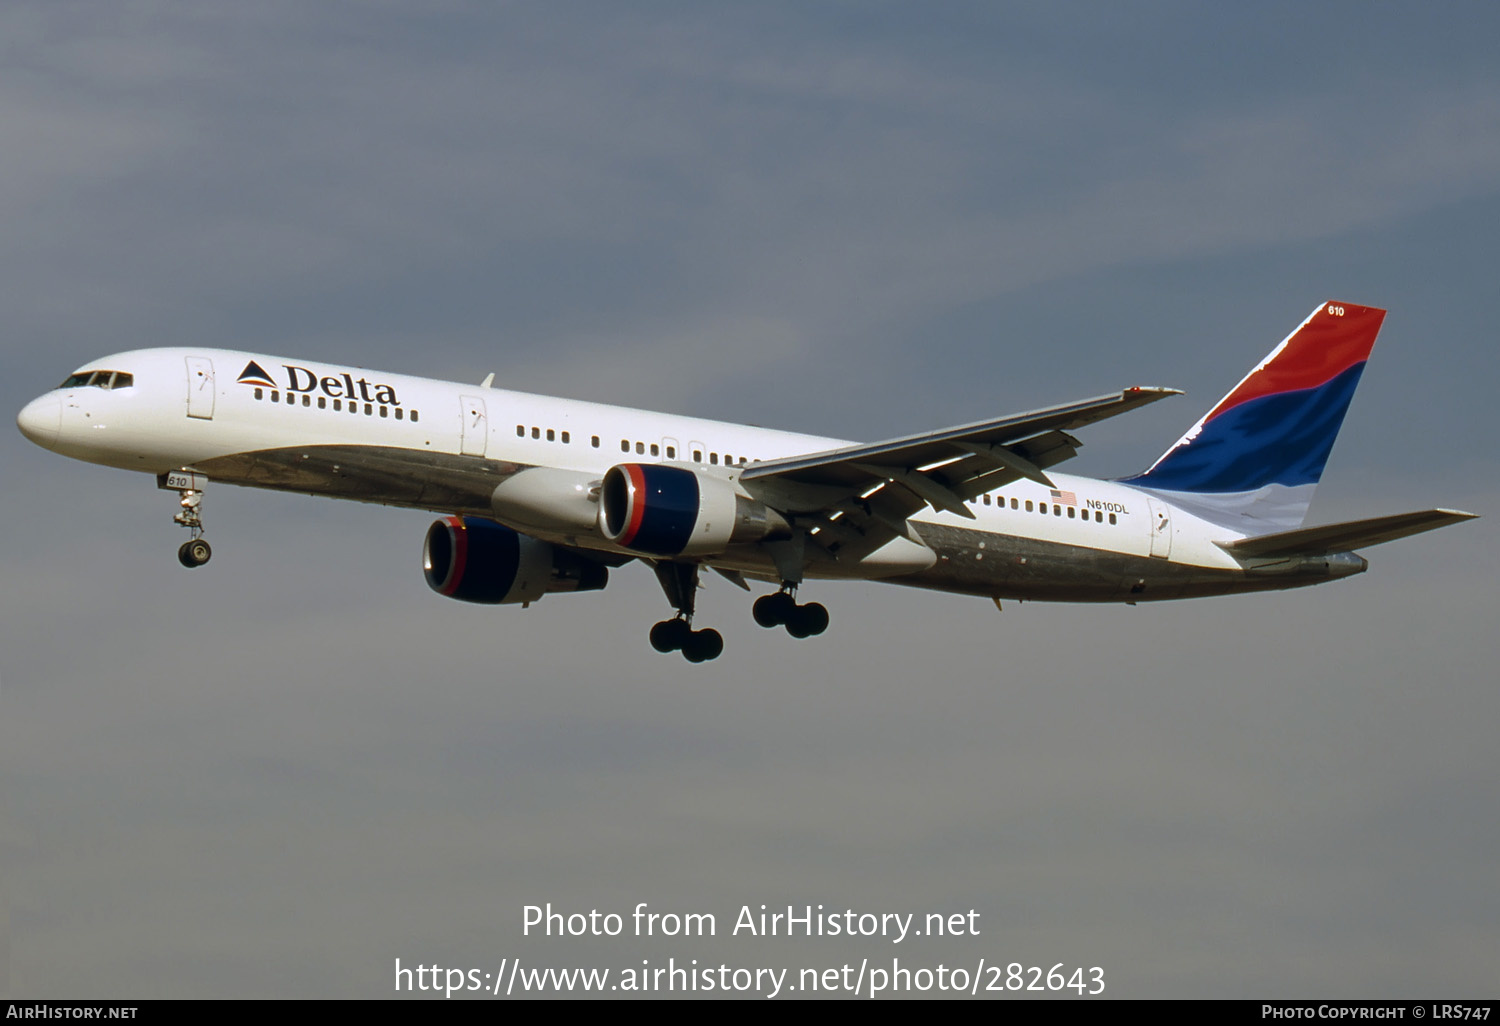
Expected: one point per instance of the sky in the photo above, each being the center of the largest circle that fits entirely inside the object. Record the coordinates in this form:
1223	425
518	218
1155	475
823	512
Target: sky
283	774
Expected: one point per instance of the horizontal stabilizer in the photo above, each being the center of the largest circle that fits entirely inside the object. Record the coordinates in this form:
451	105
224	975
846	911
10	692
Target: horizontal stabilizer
1352	534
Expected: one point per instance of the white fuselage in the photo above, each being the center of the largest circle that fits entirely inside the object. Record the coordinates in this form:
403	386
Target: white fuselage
267	421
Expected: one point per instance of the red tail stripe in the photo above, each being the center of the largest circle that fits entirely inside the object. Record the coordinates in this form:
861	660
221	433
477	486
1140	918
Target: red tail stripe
1335	338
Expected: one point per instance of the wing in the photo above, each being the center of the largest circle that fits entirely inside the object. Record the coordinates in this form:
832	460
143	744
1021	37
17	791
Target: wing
855	499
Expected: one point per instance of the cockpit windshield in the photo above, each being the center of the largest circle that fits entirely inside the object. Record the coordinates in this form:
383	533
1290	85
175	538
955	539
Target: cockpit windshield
99	379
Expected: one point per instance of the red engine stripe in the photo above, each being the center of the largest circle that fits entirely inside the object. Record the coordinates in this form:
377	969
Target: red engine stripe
637	503
460	535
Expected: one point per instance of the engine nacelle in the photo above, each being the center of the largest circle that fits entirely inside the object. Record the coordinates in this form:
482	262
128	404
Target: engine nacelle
676	511
481	561
548	500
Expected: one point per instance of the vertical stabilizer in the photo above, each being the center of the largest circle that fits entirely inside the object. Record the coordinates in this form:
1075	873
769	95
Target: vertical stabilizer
1252	462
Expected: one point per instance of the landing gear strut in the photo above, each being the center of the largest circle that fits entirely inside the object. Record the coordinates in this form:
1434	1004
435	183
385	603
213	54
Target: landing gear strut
781	609
680	582
189	487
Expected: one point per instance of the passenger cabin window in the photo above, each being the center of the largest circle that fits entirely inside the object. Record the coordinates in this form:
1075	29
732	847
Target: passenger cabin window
386	411
671	452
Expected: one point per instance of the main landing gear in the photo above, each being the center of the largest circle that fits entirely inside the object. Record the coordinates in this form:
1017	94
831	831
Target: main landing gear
781	609
680	582
189	487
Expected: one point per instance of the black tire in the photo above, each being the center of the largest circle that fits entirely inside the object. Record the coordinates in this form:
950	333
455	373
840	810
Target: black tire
766	612
815	617
703	645
670	635
194	553
784	606
712	642
661	637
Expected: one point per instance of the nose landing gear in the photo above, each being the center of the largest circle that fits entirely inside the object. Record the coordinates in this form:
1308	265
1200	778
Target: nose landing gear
189	487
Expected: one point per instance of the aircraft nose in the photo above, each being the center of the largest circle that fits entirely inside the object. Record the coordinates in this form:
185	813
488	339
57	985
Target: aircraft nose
41	419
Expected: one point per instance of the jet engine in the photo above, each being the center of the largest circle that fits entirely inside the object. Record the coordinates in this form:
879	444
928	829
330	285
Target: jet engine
481	561
677	511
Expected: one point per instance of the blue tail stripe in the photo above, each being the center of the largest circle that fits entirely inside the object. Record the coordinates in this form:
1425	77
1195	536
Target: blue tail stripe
1277	439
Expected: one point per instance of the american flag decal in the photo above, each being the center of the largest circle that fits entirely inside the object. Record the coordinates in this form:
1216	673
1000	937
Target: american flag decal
1066	498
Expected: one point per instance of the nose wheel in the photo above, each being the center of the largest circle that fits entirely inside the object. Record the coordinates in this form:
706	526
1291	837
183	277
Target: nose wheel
782	610
194	553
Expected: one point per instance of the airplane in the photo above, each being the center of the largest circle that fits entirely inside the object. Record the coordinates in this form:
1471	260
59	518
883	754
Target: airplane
541	494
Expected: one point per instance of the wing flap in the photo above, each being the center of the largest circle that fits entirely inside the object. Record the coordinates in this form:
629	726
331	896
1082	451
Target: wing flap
1351	534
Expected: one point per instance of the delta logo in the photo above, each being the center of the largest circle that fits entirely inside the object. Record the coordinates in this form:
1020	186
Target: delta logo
335	386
